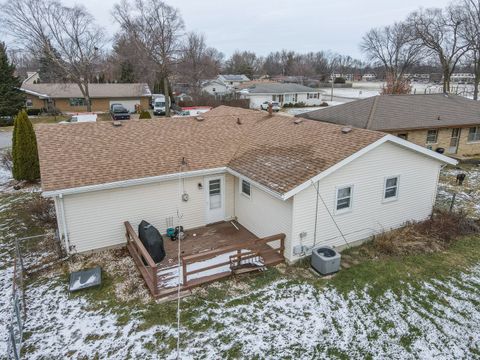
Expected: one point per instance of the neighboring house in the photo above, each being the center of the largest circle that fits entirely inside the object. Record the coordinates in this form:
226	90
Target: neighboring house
283	93
224	84
462	78
233	81
215	87
68	97
271	173
369	77
435	121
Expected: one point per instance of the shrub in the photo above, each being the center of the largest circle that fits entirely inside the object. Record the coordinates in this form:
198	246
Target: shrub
339	80
287	105
300	104
434	234
324	104
34	112
42	211
24	149
145	114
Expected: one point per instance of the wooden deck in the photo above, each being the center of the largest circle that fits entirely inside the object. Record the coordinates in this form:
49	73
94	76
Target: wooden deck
206	254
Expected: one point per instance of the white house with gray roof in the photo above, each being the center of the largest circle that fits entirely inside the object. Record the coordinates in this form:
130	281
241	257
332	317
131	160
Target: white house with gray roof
224	84
282	93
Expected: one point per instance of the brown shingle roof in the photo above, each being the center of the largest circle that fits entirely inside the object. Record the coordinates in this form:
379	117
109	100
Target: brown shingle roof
57	90
402	112
272	150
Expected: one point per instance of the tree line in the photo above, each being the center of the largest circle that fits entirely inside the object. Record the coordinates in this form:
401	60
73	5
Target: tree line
448	37
153	45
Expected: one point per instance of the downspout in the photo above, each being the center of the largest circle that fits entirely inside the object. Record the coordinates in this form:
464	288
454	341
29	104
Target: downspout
64	224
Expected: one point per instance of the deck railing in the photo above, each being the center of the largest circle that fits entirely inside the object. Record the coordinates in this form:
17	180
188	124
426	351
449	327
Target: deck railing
254	246
141	256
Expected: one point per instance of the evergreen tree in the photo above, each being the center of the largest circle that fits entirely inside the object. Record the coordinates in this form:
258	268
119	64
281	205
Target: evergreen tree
127	74
11	99
24	149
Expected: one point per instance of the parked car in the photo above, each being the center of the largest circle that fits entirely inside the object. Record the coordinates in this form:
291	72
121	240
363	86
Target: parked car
80	118
275	105
119	112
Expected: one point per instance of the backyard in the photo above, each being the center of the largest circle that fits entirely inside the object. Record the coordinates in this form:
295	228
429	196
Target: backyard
402	306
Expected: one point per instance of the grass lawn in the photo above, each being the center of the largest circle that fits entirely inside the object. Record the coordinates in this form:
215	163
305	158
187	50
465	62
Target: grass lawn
405	307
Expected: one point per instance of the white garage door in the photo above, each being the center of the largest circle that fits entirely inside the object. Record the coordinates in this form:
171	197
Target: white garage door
127	104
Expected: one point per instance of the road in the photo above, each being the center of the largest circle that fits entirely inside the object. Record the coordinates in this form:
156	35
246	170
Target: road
5	139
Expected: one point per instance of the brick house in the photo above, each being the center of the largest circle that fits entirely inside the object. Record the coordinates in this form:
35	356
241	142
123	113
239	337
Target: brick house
67	97
434	121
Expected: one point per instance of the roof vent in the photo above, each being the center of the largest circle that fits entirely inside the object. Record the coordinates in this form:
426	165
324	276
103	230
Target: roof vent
239	122
346	129
116	123
439	117
298	121
200	118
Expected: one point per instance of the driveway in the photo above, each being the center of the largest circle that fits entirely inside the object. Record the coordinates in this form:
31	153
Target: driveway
5	139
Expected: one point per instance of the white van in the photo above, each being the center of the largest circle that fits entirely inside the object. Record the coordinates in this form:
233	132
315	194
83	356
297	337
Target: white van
159	105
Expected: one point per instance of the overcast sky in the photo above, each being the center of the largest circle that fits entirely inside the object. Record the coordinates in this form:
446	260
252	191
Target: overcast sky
265	25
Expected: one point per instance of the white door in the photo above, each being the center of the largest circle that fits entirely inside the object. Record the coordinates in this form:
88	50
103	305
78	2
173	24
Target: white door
215	194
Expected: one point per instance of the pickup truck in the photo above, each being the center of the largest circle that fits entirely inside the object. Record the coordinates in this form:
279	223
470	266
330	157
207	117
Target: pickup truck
118	112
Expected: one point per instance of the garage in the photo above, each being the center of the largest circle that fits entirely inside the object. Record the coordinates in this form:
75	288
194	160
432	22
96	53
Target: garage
128	104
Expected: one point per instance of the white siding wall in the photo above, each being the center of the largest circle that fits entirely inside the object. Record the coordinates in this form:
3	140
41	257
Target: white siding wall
219	89
229	197
418	180
263	214
95	220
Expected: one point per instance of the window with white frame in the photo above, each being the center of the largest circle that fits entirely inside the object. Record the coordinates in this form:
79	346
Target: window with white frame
391	188
432	136
474	134
344	198
245	188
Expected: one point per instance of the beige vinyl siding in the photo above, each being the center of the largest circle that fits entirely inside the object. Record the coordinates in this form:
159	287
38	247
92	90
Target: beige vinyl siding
369	214
263	214
95	219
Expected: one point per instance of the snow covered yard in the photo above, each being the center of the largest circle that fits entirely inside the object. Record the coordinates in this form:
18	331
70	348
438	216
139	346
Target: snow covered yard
423	306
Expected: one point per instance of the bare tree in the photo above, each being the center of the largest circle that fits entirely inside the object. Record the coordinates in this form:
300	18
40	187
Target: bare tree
67	36
439	30
394	48
471	34
198	61
156	30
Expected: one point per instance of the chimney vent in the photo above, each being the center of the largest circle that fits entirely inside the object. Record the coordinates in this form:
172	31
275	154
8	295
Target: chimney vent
298	121
346	129
116	123
200	118
239	122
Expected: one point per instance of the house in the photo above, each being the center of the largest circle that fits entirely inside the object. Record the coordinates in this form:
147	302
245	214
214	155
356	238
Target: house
67	97
369	77
283	93
224	84
462	78
434	121
216	87
316	183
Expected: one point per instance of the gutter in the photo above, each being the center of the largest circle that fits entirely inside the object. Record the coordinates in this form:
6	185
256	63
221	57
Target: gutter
64	224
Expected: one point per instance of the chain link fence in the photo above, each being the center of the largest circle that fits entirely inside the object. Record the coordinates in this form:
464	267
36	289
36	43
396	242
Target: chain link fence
32	254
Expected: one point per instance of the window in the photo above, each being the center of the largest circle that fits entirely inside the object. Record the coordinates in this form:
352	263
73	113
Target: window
245	188
403	136
313	96
344	198
29	103
432	136
391	188
77	102
474	134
